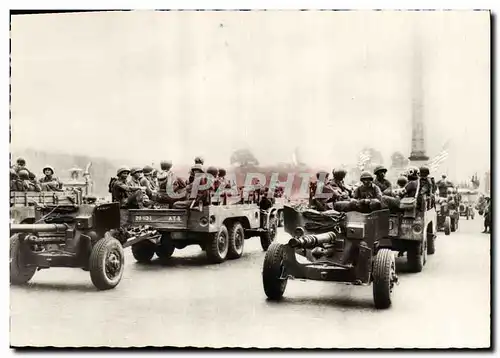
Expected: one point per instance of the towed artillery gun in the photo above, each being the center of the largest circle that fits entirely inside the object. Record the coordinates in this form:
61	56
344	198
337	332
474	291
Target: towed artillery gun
220	229
337	247
68	230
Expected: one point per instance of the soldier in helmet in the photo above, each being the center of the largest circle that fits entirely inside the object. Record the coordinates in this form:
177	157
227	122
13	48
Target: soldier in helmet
50	182
401	182
411	188
369	195
199	160
146	182
443	185
20	164
20	181
34	184
425	187
164	175
385	185
342	192
321	192
193	193
129	196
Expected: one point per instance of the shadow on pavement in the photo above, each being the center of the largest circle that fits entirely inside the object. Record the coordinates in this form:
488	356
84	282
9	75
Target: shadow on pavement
343	302
66	286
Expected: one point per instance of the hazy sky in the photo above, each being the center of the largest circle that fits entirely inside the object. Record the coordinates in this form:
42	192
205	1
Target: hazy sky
144	86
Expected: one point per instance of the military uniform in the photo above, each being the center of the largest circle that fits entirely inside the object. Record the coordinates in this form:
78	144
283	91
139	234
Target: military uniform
50	182
368	192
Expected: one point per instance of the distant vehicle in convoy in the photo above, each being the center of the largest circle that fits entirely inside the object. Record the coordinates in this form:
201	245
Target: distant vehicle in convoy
336	247
220	229
469	198
443	218
68	230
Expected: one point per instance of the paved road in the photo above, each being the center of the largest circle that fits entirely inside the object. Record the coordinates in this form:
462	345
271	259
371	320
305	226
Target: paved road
190	303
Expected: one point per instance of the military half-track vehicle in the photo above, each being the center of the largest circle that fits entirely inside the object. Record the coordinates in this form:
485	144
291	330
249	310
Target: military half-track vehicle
220	229
336	247
67	231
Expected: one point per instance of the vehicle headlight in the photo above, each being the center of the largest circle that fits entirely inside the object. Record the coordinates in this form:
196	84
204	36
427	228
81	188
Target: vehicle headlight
204	221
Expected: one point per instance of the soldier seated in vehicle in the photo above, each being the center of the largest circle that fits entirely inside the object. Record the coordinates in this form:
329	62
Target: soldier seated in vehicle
193	195
34	183
342	194
20	180
128	196
426	187
368	195
321	193
50	182
385	185
20	165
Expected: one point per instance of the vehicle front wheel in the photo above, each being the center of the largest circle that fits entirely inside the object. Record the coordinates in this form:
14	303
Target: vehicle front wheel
106	263
267	237
20	273
384	277
218	246
273	272
143	251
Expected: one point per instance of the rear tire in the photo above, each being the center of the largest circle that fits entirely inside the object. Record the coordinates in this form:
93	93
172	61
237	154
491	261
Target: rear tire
453	223
143	251
19	272
384	270
218	246
272	271
417	256
165	249
447	226
431	244
106	263
236	241
267	237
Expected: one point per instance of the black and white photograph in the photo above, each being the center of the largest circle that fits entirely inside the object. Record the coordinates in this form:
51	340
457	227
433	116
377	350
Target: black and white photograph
293	179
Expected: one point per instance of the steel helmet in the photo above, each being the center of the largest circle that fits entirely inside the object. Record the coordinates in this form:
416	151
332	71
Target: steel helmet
199	160
135	170
147	169
424	171
48	167
339	173
212	170
379	168
222	172
402	181
122	170
413	172
197	168
24	174
165	164
366	176
21	161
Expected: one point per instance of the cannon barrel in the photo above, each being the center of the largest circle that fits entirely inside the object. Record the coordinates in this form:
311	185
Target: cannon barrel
312	241
34	228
